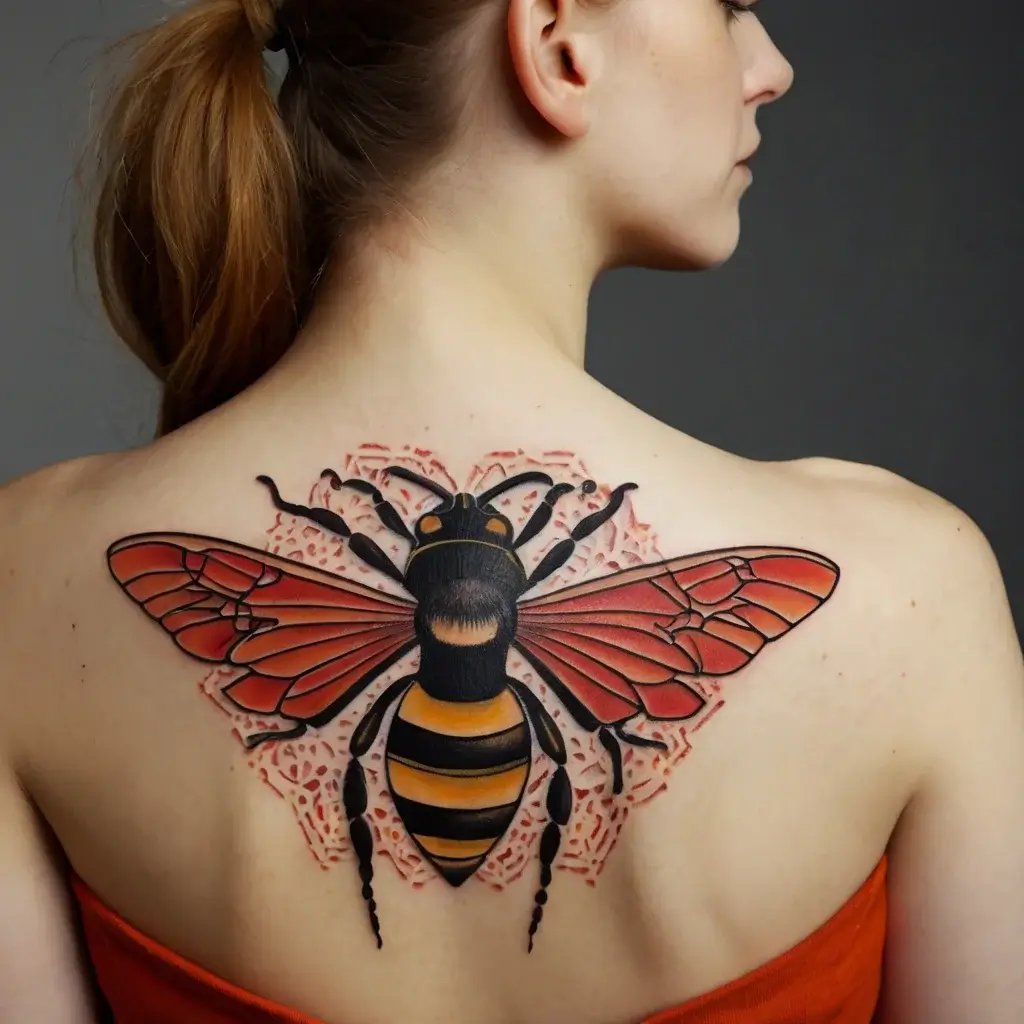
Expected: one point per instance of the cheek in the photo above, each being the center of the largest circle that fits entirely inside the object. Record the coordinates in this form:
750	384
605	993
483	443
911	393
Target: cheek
678	107
701	100
669	153
679	131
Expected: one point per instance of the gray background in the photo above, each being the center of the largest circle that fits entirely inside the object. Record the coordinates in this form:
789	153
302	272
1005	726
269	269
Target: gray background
872	312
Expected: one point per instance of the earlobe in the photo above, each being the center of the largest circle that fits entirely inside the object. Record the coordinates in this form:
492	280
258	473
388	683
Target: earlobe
548	60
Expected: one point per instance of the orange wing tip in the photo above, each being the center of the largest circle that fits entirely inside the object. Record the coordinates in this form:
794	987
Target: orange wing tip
788	602
800	571
670	701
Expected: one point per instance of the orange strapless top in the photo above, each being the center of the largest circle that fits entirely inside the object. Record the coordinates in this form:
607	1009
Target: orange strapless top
832	976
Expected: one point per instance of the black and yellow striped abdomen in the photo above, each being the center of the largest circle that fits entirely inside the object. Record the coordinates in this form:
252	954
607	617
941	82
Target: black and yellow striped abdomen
457	772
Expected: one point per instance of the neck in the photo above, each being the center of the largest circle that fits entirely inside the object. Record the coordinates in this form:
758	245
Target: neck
487	290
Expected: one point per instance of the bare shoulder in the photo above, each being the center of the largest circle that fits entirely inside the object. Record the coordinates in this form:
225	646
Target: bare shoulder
42	973
49	520
934	557
29	504
876	495
957	854
35	504
927	583
838	471
55	480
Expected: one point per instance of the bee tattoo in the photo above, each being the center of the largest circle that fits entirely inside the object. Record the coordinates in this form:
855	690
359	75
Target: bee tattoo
459	745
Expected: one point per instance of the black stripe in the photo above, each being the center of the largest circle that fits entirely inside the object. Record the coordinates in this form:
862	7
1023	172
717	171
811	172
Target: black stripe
447	823
454	873
462	773
455	862
436	750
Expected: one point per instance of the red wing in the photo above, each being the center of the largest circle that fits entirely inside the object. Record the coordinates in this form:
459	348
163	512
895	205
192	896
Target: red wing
311	640
619	644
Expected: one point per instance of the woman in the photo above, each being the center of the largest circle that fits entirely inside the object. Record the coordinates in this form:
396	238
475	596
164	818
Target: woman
580	718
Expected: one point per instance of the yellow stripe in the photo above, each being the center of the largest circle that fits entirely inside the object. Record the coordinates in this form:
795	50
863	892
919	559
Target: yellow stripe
477	718
467	793
456	849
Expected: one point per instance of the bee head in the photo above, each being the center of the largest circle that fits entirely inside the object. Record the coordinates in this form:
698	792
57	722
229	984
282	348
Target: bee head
464	519
472	517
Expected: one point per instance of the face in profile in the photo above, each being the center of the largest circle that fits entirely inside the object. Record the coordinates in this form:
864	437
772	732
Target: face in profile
675	113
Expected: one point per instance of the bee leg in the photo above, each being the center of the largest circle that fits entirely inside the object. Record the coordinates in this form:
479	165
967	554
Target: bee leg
639	741
549	736
281	734
543	512
321	516
559	554
559	796
362	546
611	744
559	806
581	715
386	512
355	798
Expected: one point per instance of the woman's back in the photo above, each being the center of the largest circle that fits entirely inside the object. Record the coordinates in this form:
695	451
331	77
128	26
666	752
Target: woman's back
410	647
780	809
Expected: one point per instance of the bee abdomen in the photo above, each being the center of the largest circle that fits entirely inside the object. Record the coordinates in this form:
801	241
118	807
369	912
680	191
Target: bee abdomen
457	772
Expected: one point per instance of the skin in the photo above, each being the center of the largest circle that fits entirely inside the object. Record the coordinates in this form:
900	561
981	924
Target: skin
553	128
593	137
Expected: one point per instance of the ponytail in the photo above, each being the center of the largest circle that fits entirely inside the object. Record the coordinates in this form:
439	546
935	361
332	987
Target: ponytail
218	208
198	231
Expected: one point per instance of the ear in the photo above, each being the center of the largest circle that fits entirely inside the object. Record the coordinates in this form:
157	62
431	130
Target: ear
555	61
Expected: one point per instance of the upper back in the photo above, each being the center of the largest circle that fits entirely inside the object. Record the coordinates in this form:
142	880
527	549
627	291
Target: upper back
774	798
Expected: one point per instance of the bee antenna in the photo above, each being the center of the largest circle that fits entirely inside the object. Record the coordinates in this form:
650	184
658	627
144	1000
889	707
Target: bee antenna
513	481
425	482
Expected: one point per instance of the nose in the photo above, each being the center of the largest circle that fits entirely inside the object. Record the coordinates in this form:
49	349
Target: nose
769	76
